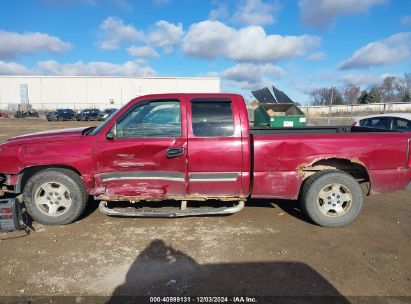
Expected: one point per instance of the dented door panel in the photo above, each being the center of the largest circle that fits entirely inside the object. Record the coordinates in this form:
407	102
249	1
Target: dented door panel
279	161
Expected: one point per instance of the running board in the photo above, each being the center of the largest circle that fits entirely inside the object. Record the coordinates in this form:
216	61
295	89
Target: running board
172	213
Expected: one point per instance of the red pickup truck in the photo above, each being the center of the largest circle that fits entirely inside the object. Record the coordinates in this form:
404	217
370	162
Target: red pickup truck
200	147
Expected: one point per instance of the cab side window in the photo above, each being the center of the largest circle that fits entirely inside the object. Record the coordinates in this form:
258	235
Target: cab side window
151	120
212	118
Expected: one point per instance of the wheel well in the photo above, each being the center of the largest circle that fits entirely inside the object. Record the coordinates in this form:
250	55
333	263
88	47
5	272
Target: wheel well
352	167
26	173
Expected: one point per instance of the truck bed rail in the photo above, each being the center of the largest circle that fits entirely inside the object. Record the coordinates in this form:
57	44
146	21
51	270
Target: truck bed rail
317	130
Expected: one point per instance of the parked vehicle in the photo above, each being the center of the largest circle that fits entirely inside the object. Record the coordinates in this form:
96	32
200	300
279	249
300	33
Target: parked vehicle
106	113
61	114
391	121
199	147
4	114
88	114
24	114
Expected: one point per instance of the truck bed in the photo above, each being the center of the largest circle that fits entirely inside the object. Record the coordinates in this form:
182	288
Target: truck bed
317	130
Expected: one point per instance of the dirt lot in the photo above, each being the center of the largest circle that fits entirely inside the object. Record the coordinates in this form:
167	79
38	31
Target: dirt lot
270	248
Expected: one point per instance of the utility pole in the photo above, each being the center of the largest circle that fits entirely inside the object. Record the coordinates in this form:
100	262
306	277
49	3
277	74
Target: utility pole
331	103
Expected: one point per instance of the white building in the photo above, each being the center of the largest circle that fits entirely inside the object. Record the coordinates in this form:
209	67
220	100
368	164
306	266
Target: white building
77	92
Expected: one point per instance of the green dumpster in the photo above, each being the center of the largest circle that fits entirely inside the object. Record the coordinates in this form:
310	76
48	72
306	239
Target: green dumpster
279	115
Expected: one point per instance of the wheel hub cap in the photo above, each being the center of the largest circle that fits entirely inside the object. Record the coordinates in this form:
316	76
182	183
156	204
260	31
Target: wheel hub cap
53	199
334	200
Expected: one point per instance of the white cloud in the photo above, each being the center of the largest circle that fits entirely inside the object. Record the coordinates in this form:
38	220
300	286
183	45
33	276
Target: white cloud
95	68
255	12
14	44
210	39
79	68
247	12
165	35
365	79
13	68
221	12
113	32
324	13
360	80
251	76
383	52
316	56
142	51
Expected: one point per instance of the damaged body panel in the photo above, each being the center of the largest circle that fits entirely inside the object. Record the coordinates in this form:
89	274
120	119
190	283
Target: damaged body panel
374	157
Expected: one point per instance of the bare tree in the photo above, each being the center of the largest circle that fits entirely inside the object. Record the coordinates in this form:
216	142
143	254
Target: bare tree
387	89
403	86
318	96
350	94
322	96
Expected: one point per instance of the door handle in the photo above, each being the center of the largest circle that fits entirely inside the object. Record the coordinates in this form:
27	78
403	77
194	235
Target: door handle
174	152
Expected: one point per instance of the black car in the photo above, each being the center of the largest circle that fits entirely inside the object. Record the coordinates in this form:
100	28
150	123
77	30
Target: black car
24	114
106	113
61	114
88	114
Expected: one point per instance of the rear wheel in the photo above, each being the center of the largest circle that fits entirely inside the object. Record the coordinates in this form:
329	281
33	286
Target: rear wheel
332	198
55	196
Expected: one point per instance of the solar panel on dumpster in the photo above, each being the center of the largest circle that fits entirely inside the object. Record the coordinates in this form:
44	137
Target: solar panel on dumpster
281	96
276	110
264	96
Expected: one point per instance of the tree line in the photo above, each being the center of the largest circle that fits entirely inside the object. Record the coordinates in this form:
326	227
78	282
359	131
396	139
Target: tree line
392	89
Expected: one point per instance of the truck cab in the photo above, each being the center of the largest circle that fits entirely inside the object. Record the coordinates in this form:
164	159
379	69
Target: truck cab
174	148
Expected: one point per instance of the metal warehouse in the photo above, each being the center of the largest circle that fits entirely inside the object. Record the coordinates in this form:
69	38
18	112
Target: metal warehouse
78	92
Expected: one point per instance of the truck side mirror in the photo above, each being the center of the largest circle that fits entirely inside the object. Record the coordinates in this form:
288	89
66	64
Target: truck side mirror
110	135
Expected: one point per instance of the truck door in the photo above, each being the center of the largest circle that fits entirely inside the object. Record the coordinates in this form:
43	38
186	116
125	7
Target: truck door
145	152
214	147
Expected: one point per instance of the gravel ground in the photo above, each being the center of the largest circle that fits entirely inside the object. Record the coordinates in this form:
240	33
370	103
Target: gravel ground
270	248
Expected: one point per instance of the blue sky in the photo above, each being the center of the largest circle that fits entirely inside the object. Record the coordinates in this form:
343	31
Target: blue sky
296	45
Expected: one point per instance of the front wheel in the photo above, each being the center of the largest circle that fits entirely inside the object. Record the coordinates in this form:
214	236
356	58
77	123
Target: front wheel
55	196
332	198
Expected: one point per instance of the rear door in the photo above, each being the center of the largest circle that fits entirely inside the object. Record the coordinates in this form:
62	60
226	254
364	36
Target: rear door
214	147
147	156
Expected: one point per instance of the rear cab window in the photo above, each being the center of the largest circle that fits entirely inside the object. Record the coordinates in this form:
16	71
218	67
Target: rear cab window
212	118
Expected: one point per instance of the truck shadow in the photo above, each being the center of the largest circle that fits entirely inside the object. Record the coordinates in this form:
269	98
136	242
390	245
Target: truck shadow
160	270
292	207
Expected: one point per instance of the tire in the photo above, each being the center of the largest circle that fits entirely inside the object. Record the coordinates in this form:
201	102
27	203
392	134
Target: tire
331	198
67	200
